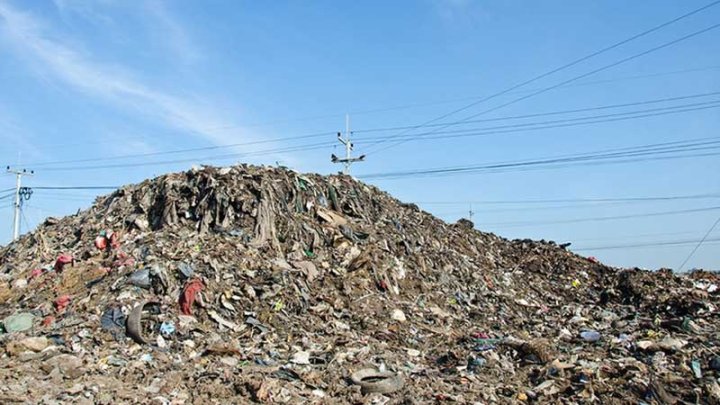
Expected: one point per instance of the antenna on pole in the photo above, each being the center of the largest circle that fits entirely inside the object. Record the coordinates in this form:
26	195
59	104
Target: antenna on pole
21	194
348	160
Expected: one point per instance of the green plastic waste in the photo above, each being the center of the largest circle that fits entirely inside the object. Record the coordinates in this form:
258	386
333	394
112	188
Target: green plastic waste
18	322
695	366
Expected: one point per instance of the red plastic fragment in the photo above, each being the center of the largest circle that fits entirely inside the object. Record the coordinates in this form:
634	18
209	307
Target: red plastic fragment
123	259
192	288
48	320
62	260
101	242
107	239
114	241
35	273
62	302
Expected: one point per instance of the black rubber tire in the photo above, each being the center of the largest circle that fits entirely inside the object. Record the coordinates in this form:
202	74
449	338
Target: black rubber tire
133	323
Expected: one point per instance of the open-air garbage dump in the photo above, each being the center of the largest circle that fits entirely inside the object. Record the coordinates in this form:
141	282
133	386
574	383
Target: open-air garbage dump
262	285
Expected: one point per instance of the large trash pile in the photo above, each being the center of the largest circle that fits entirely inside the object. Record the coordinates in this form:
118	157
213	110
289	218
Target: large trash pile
263	285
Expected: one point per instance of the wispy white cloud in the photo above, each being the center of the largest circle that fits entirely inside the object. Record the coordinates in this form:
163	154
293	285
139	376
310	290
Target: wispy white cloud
48	54
173	34
161	24
455	12
87	9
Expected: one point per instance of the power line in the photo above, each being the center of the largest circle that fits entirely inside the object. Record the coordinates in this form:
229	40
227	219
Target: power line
27	224
632	237
634	151
67	194
382	175
596	219
621	61
456	100
526	209
625	78
179	151
549	124
450	134
397	107
322	134
643	102
75	187
543	114
67	198
45	209
315	146
532	166
539	208
570	64
603	163
639	245
581	84
576	200
544	164
575	78
699	244
537	126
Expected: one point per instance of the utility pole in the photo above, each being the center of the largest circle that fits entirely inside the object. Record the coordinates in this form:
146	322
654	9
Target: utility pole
20	192
348	159
471	212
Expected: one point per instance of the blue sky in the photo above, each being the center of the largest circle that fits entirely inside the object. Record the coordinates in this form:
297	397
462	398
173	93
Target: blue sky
104	79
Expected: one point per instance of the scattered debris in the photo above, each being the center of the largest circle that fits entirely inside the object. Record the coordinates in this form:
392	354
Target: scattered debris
113	321
398	315
248	284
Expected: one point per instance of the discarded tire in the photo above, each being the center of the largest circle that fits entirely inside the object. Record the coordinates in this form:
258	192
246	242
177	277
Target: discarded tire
374	381
134	322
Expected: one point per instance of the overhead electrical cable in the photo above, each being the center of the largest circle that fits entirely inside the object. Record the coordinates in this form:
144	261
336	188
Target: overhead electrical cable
548	113
198	159
575	78
547	164
74	187
571	85
704	238
539	125
634	151
642	245
186	150
513	224
324	134
532	126
576	200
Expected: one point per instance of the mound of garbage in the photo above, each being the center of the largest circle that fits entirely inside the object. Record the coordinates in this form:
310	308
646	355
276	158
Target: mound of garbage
254	284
